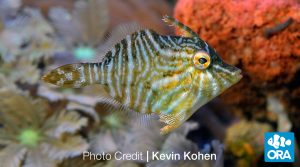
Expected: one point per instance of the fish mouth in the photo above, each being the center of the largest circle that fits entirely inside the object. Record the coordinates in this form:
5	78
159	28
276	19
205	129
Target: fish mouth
238	75
233	71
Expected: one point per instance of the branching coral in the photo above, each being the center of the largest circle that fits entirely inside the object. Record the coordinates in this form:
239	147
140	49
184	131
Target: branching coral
32	135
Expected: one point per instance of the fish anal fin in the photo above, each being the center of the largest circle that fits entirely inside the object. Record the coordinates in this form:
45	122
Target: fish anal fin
122	113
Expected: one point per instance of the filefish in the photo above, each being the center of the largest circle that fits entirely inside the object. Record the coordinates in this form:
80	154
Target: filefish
149	73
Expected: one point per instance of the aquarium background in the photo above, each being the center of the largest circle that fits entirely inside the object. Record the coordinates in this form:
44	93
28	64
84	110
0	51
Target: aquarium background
45	126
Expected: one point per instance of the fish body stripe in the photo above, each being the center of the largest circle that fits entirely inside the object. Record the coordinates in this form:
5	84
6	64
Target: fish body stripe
173	43
134	69
102	78
137	54
164	41
119	70
110	74
130	68
96	72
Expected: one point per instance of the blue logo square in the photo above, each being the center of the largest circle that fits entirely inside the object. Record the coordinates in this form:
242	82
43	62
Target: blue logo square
279	147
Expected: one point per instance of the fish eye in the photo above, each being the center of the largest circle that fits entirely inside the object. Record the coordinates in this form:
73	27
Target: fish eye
201	60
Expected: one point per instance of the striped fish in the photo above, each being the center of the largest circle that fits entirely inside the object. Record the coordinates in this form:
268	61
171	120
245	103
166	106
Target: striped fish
171	76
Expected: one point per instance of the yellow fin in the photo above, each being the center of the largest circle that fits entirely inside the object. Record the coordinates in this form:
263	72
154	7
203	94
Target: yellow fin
172	121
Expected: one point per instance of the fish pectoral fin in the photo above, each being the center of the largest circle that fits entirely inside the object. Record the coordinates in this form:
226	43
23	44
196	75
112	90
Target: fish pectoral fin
172	121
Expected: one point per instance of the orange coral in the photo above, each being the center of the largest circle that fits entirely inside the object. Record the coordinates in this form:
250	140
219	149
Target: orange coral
237	30
260	37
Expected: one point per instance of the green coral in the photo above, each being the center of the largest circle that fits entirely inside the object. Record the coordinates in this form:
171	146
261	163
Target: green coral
30	127
29	137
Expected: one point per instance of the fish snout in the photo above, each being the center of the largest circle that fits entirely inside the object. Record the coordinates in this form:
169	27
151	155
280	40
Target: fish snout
238	74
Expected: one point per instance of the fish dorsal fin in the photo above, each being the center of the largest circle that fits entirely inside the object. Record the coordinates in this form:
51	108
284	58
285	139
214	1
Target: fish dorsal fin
115	36
121	31
187	32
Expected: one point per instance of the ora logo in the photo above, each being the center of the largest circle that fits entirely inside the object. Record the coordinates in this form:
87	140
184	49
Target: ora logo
279	147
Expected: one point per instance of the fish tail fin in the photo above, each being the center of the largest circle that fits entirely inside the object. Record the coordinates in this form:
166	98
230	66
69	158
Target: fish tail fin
73	75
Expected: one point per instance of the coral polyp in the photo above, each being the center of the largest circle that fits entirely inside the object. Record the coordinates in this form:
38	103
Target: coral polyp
29	137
